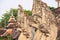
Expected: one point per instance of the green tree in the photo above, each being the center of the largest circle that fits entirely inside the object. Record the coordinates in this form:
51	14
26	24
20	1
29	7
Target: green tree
51	8
6	17
29	12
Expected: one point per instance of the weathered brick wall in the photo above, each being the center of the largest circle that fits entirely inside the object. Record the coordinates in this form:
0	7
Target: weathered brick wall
2	31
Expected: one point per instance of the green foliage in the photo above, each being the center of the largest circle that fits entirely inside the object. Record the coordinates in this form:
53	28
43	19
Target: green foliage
6	17
2	38
28	12
6	38
51	8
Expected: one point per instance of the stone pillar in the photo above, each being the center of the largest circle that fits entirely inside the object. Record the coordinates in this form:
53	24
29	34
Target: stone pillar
36	8
58	3
43	13
50	19
20	16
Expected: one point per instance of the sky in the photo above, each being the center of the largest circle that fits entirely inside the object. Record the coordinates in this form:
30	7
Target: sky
5	5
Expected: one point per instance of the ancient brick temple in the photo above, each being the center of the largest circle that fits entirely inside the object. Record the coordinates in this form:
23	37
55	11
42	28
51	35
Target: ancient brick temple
42	25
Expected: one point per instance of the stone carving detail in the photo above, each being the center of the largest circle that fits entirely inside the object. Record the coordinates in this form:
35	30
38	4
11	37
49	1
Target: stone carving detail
40	26
46	18
58	24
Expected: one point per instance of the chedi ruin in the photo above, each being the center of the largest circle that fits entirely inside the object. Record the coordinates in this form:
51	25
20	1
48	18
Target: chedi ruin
42	25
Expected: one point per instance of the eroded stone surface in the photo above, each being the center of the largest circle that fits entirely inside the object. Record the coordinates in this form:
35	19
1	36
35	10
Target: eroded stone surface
41	15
